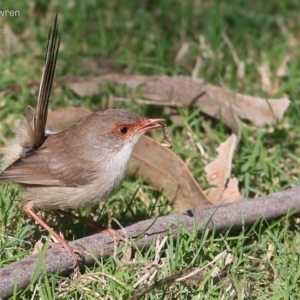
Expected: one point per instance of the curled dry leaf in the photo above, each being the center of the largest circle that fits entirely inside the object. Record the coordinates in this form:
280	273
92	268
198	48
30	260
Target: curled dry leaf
159	166
219	171
183	91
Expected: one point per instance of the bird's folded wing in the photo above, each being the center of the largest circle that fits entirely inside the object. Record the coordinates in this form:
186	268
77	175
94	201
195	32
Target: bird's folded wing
41	168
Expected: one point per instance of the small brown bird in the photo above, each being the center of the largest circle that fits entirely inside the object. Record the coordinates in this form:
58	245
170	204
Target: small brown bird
78	167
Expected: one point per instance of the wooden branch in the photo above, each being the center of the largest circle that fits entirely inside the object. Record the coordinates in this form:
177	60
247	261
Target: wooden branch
56	260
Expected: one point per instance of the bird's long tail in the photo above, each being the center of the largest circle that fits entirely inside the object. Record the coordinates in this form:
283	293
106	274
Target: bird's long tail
31	132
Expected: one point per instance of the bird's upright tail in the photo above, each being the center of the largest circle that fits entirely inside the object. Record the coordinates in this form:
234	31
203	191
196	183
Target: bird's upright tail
31	132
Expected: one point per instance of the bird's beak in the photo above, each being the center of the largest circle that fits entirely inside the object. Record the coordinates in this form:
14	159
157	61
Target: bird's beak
148	124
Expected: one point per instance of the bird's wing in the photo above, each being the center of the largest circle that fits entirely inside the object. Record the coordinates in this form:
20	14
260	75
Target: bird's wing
41	167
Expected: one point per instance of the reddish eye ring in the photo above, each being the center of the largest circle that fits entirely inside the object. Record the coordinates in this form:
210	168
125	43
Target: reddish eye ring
124	129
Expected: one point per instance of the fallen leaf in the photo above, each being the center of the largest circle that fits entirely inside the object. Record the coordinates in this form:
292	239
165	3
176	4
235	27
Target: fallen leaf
184	91
84	87
164	170
158	165
218	173
63	118
231	192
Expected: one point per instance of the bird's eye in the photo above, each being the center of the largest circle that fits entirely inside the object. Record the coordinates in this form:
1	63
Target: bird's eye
124	130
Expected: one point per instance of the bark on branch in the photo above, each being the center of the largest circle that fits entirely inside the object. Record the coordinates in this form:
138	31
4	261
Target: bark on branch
19	274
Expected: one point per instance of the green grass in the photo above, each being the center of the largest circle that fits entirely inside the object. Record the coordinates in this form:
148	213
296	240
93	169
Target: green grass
144	37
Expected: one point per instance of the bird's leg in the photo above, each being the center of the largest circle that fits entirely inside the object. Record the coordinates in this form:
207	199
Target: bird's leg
60	240
100	228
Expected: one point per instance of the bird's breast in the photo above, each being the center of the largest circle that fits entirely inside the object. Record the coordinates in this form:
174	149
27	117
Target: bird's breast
113	170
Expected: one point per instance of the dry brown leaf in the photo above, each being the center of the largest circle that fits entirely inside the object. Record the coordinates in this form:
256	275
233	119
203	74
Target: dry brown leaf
218	173
183	91
63	118
164	170
84	87
159	166
232	193
257	110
